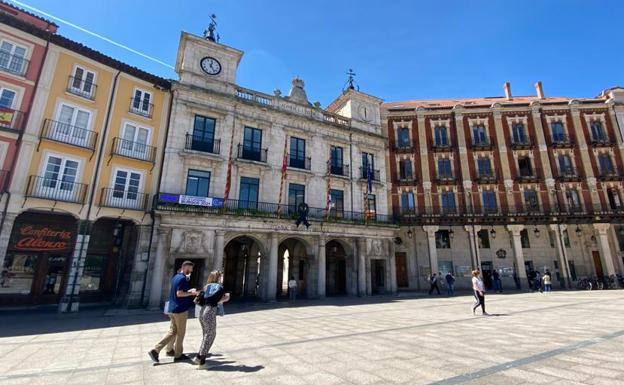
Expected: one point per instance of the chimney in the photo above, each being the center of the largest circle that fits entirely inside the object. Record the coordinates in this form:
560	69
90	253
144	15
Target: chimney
507	90
539	90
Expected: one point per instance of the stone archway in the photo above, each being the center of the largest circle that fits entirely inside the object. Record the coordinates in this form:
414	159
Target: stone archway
293	261
242	265
336	269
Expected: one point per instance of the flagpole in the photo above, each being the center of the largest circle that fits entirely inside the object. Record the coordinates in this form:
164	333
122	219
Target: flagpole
328	200
228	179
284	172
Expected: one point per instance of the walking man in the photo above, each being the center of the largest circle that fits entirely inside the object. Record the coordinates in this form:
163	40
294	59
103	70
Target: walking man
292	289
498	284
434	284
180	300
450	284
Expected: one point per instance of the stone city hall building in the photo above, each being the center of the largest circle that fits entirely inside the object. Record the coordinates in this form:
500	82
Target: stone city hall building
513	184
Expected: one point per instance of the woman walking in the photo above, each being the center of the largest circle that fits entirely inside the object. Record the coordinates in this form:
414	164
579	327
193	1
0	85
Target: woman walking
209	299
479	292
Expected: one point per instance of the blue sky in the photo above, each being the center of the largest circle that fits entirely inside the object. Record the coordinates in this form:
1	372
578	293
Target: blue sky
400	50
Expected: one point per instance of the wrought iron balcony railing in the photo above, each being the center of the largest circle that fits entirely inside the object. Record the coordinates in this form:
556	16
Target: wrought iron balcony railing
482	144
13	64
66	133
375	175
486	177
304	163
561	140
404	147
195	143
445	179
81	87
123	199
603	141
133	150
441	146
253	154
609	175
338	169
56	189
141	107
569	174
520	143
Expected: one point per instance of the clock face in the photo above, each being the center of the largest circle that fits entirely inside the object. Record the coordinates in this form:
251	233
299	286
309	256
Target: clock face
210	65
365	113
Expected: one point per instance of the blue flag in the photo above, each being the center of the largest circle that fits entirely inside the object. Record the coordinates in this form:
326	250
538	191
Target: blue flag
369	177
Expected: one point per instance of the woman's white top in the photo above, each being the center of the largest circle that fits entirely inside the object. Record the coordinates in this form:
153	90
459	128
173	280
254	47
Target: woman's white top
292	284
477	284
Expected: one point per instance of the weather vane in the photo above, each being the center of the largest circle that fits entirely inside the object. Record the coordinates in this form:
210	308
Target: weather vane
210	33
351	80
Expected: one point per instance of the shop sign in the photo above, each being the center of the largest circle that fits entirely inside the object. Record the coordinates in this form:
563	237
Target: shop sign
33	237
191	200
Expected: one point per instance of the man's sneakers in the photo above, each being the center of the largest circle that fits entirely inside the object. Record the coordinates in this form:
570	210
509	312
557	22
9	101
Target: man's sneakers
153	354
171	353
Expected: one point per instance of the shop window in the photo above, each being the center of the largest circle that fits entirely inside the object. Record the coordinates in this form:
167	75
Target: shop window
18	273
93	275
524	239
443	239
484	239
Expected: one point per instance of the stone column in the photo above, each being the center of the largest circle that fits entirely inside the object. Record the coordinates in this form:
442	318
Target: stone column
433	251
219	250
158	269
70	302
361	250
474	248
518	254
392	259
321	267
271	284
561	254
603	245
5	235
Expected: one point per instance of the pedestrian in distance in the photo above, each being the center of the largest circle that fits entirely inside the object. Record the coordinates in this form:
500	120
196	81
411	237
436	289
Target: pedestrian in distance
434	284
292	289
450	284
547	280
498	284
537	281
479	292
180	300
210	298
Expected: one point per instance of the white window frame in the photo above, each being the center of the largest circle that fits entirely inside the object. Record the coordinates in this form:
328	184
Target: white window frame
132	152
139	111
15	44
15	98
43	167
70	138
80	90
126	202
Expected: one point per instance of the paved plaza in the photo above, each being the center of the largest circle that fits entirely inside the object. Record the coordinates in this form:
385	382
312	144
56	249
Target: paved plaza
557	338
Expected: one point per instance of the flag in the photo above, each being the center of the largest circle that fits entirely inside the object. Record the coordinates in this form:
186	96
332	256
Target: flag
329	200
228	178
284	172
6	116
369	177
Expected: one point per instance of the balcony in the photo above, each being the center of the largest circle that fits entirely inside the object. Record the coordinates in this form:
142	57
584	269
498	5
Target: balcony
441	147
406	180
252	154
194	143
133	150
141	107
82	88
486	177
403	148
338	169
481	145
123	199
604	141
521	143
66	133
11	119
445	179
562	141
300	163
609	175
4	180
527	178
55	189
169	202
375	175
569	174
13	64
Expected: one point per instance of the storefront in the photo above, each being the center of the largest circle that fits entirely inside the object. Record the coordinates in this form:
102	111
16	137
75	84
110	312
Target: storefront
37	261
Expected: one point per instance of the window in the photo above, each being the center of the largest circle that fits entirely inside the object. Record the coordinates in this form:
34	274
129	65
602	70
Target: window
126	188
371	203
141	103
252	144
403	137
443	239
7	97
531	201
484	165
489	201
336	205
407	202
248	197
296	196
71	125
606	164
444	168
368	162
566	239
484	239
613	196
565	165
598	132
558	132
134	142
336	160
59	178
83	82
198	183
297	153
524	239
479	135
448	202
524	166
572	269
518	133
405	169
203	134
440	136
12	58
573	200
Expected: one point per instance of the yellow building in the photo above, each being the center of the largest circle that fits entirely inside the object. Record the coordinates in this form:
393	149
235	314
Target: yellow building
87	169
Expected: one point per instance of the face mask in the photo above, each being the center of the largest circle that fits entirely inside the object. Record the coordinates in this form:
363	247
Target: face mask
188	277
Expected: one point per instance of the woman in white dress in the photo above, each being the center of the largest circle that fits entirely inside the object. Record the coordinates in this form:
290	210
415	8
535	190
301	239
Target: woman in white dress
479	292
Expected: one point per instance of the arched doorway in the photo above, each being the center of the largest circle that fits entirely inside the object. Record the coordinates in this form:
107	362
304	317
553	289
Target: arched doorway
292	261
242	267
336	269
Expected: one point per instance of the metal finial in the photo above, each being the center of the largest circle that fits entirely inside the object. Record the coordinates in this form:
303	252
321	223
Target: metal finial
210	33
351	75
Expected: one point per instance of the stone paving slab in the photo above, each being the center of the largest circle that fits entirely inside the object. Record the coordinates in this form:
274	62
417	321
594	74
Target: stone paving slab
557	338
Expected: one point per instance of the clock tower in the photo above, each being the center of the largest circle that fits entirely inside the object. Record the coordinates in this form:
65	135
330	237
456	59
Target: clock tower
206	63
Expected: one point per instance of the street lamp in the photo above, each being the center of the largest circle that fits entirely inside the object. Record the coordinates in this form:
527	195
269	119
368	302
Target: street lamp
536	232
493	233
409	233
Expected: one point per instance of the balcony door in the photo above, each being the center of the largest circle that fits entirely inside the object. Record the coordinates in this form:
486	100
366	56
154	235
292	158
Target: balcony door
297	152
59	179
203	134
71	125
127	185
12	57
519	136
336	160
252	144
134	142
